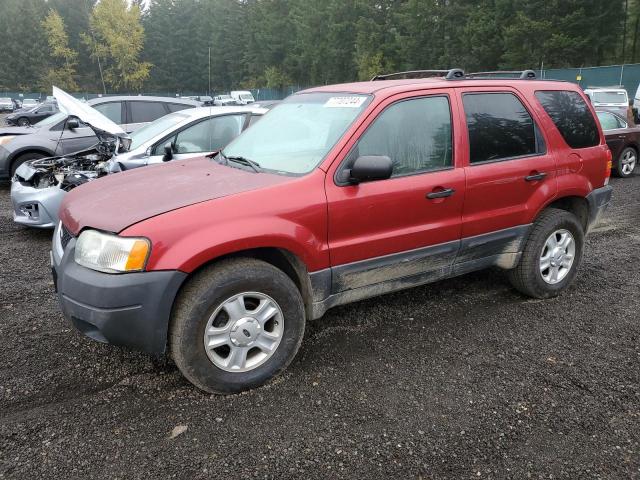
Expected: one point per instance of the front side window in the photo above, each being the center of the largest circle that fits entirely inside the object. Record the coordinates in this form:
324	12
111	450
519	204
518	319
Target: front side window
500	127
52	120
111	110
151	130
142	112
295	136
415	134
571	115
209	135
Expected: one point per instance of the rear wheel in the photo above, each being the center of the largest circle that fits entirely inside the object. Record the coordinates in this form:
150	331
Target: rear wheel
236	325
626	162
551	256
23	122
24	158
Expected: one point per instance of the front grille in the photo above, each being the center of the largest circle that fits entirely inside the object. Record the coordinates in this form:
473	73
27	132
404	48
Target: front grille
65	236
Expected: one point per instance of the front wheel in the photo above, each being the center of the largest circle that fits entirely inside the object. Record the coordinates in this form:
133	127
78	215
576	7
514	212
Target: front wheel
23	122
551	256
626	162
236	325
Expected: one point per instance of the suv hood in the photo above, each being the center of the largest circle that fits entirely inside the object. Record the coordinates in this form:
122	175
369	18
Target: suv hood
101	125
116	202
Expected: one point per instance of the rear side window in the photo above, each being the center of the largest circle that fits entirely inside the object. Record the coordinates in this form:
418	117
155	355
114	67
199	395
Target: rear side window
176	107
609	121
572	117
500	127
142	112
111	110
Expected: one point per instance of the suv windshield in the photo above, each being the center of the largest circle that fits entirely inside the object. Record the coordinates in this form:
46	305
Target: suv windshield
610	97
151	130
297	134
5	100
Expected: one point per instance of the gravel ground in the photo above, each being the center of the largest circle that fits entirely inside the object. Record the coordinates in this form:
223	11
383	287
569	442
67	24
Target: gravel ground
460	379
2	121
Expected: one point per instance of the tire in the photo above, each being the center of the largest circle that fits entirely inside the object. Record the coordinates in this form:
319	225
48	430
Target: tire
626	162
24	158
527	277
204	295
23	122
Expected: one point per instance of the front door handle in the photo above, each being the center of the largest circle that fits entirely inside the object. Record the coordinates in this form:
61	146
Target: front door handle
535	177
447	192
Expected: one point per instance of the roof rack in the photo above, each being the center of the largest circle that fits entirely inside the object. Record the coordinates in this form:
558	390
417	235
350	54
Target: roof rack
521	74
451	74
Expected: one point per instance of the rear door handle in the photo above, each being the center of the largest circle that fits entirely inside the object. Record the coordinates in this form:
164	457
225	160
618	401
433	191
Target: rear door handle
447	192
535	177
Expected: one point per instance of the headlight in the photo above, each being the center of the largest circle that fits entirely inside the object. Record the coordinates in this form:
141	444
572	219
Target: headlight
7	139
110	253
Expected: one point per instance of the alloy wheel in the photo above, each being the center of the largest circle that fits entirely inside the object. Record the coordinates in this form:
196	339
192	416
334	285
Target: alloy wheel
244	332
557	256
628	162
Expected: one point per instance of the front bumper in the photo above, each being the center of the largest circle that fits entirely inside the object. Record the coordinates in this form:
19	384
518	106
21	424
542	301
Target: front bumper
130	309
35	207
598	201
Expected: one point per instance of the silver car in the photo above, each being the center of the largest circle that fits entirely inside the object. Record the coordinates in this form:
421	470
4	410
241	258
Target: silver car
39	185
6	105
54	136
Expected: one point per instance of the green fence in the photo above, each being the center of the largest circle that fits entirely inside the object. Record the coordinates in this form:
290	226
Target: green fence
613	75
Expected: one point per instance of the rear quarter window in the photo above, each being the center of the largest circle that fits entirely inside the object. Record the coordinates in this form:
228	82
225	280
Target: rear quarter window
571	115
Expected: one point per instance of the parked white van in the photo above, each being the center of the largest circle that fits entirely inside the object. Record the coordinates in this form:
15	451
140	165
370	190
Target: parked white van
242	97
612	99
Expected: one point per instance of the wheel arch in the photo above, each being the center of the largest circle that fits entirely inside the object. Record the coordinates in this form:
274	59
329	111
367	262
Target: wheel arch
577	205
19	153
281	258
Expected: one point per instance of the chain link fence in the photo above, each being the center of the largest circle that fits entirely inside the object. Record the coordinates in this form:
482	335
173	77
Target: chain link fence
627	76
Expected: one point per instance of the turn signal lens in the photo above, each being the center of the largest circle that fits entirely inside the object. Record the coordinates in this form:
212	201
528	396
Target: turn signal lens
137	255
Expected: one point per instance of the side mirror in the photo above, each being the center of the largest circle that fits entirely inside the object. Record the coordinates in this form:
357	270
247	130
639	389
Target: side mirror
369	168
73	123
168	152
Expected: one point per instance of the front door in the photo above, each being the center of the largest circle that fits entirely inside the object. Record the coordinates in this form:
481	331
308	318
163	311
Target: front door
405	228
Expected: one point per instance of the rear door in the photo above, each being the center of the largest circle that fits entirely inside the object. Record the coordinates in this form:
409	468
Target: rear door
510	172
397	229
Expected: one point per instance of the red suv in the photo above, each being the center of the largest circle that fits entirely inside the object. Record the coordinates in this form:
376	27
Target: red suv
340	193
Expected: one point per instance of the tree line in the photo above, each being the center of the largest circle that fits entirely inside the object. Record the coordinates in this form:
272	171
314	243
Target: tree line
192	45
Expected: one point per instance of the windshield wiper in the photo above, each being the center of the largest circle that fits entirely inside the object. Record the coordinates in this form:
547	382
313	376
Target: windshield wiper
245	161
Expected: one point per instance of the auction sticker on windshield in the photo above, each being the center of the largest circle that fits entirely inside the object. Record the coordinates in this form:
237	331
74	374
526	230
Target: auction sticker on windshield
345	102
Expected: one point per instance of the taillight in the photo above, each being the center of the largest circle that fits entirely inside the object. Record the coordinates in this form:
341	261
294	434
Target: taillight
607	172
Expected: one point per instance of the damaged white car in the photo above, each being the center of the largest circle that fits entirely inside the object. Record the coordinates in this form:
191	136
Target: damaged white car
38	187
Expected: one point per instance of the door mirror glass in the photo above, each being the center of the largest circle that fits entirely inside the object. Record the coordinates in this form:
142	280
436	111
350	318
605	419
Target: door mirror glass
168	152
369	168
